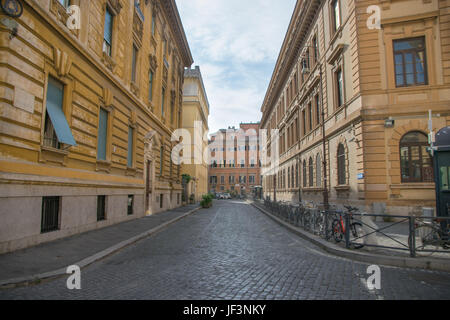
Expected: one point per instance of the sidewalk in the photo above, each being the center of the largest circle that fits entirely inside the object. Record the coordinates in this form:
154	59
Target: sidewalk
372	257
51	259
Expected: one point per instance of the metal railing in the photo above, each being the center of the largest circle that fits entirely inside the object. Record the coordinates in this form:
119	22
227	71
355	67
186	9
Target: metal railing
416	236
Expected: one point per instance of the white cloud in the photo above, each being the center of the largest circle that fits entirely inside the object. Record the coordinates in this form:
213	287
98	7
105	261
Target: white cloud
236	44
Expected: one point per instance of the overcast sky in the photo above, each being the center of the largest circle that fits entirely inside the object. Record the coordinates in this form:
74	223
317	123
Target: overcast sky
236	44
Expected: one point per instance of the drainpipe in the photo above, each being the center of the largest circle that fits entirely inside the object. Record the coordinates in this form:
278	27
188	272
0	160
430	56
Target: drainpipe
325	176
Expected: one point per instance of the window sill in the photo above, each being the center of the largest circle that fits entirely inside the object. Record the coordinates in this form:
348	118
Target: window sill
103	165
50	154
342	188
414	185
130	171
312	189
108	61
336	34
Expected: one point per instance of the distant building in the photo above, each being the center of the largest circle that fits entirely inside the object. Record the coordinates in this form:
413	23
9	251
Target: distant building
195	119
234	160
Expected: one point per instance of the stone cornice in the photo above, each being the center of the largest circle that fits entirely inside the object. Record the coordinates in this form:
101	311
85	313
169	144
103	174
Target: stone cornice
299	25
172	14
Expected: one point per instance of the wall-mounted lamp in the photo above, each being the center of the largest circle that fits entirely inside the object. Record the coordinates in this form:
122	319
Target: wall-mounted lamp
389	123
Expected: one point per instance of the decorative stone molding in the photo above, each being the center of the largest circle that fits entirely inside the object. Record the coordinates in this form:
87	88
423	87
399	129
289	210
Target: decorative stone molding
114	5
134	88
62	62
108	97
138	26
153	62
109	62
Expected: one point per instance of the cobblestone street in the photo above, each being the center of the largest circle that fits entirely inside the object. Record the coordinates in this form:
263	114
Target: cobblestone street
233	251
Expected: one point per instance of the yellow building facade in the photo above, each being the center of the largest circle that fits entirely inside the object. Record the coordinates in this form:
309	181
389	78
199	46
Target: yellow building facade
350	96
195	121
87	115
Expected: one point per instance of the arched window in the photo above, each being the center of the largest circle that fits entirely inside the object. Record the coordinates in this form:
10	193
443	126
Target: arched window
304	174
296	175
415	161
318	170
311	172
342	170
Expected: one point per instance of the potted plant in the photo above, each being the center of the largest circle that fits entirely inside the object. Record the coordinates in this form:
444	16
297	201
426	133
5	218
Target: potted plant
207	201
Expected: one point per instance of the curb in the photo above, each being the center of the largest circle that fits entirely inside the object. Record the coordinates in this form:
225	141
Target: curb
27	280
403	262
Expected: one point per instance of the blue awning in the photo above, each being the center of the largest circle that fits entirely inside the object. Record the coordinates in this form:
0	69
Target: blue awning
54	109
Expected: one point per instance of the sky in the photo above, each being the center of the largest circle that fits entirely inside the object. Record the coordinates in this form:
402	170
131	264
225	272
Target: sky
236	44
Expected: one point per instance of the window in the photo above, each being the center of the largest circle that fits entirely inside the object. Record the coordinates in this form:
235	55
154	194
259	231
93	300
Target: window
336	15
150	86
50	214
162	101
65	3
153	24
251	179
102	134
130	147
133	64
130	205
311	172
161	161
101	208
304	122
318	171
161	201
107	35
296	175
222	179
289	177
339	88
317	105
315	46
242	163
342	172
415	162
56	127
304	174
310	116
252	163
410	62
292	177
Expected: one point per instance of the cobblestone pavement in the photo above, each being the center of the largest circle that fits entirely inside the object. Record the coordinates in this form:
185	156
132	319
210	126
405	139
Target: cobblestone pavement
233	251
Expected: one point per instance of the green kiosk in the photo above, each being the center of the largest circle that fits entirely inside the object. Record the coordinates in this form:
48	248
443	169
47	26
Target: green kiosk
441	150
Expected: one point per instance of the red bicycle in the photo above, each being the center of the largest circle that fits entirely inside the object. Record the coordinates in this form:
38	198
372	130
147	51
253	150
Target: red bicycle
338	229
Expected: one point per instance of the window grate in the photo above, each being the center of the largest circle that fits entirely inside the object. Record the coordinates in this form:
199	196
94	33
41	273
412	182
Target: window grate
130	205
50	214
101	208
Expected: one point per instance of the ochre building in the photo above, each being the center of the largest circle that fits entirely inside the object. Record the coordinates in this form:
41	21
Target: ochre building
350	94
87	115
235	164
195	120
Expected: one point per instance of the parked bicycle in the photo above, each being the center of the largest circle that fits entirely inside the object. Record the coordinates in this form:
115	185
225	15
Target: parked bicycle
338	228
431	236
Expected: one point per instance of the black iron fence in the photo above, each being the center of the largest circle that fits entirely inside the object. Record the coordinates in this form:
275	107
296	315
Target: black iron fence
416	236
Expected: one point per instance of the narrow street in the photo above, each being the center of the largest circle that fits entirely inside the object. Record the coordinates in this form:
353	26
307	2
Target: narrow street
233	251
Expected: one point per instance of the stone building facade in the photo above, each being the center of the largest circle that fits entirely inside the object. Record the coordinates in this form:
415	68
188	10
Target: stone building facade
235	164
87	116
195	121
351	101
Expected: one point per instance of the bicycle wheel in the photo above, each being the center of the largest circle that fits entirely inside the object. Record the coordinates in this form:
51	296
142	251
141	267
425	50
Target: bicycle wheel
357	231
336	229
428	239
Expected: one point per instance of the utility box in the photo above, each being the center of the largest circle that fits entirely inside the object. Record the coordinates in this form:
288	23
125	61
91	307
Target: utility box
441	158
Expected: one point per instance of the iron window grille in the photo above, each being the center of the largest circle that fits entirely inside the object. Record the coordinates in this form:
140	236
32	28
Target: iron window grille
50	214
101	208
